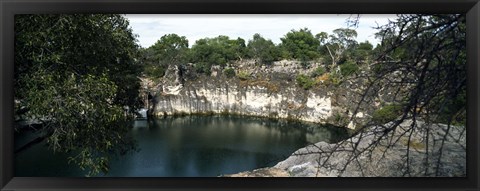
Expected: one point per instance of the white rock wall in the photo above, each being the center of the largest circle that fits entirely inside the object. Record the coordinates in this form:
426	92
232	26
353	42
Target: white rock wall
251	100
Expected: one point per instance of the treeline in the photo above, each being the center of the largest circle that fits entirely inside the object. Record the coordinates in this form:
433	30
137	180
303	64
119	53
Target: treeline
333	50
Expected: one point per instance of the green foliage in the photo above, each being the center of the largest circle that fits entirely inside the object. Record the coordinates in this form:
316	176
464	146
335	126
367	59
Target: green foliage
436	88
348	68
305	82
453	110
344	37
387	113
339	46
154	71
76	73
170	49
151	67
229	72
334	78
243	75
363	52
216	51
300	45
318	71
263	50
322	37
340	119
203	67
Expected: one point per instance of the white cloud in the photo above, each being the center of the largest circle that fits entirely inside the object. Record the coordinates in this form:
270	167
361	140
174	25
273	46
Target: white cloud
151	27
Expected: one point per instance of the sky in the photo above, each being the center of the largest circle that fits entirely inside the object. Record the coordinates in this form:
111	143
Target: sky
151	27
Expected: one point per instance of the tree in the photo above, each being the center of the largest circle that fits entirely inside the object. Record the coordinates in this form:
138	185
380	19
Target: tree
239	48
262	49
300	45
216	51
76	73
151	67
170	49
341	41
422	62
363	52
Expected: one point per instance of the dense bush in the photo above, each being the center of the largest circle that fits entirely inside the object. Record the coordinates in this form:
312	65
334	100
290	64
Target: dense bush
203	67
154	72
229	72
216	51
334	78
300	45
263	50
318	72
387	113
243	75
348	68
305	82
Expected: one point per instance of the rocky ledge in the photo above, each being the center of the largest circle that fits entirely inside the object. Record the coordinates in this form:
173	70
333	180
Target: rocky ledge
390	156
263	172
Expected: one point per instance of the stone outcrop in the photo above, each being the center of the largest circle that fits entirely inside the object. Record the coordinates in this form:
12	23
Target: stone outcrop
263	172
308	162
269	91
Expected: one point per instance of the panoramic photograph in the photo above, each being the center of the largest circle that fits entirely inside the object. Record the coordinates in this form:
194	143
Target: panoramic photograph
298	95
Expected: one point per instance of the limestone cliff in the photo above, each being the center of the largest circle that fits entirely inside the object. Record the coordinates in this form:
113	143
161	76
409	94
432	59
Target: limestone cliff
268	91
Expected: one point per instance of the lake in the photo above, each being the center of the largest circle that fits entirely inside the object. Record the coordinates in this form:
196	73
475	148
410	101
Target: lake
191	146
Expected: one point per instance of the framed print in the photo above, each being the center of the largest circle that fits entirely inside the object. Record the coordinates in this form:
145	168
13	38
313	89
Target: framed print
235	95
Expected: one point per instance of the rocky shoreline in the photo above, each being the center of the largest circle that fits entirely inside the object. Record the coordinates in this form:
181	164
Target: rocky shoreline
381	161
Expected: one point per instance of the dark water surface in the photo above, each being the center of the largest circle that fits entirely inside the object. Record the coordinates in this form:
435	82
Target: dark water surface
191	146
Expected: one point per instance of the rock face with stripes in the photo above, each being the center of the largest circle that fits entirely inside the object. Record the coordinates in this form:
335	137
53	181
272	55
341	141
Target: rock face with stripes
271	94
266	91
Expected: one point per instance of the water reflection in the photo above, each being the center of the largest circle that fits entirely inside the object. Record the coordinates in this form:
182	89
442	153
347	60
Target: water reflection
194	146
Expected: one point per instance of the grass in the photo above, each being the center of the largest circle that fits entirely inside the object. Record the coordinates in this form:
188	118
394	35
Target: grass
413	144
324	77
271	87
387	113
243	75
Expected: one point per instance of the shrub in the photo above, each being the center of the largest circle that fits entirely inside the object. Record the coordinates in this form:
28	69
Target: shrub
318	72
203	67
305	82
348	68
334	79
340	119
387	113
243	75
154	71
229	72
323	78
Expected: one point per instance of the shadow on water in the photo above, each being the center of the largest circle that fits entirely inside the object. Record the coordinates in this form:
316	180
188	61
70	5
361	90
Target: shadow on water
193	146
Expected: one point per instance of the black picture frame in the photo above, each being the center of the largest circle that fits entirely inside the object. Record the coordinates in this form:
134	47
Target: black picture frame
8	8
